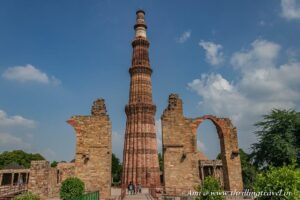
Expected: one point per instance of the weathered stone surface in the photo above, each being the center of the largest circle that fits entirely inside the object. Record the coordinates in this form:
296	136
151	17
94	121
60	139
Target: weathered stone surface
93	149
140	161
181	158
65	170
39	181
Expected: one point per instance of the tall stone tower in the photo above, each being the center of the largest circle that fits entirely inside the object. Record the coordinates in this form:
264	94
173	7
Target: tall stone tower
140	159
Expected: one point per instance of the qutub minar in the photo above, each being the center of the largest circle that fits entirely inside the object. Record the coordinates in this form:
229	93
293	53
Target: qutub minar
184	166
140	158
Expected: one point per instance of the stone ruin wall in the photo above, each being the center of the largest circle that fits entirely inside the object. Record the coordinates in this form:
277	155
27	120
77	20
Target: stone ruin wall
45	180
92	160
181	158
39	178
93	149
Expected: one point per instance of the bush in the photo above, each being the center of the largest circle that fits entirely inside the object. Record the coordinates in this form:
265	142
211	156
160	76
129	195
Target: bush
71	188
280	180
27	196
210	190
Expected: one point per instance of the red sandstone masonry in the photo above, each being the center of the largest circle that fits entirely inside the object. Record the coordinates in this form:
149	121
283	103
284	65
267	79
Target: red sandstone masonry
140	159
93	149
181	166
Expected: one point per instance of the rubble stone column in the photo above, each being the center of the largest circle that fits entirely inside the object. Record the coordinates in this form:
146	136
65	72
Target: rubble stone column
93	149
39	178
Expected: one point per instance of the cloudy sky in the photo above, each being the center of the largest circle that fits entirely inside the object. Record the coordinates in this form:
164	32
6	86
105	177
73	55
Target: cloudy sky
236	59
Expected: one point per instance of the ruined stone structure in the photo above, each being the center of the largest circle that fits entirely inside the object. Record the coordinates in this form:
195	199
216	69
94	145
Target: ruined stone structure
93	149
40	179
43	180
140	159
182	166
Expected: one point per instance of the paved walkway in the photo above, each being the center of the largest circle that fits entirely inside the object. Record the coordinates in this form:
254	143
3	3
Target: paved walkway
138	197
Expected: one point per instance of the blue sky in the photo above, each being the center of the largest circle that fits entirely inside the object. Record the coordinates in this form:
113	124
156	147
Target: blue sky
236	59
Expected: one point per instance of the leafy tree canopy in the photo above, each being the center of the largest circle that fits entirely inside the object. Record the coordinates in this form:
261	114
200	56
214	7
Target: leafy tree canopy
18	156
249	171
116	168
54	163
278	139
280	180
210	189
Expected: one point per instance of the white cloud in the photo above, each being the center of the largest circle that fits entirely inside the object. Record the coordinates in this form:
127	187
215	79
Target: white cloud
262	54
201	146
262	86
16	120
213	53
290	9
9	142
184	37
28	73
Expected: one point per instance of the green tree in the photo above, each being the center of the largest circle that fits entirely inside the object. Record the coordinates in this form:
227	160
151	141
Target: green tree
249	171
116	168
279	180
27	196
71	188
54	163
210	190
161	162
18	156
277	139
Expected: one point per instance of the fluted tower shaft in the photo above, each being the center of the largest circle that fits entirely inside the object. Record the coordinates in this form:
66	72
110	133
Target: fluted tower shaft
140	159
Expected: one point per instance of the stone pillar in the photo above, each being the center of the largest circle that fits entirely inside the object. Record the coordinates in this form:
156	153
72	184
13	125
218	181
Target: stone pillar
202	175
39	178
232	171
1	177
93	149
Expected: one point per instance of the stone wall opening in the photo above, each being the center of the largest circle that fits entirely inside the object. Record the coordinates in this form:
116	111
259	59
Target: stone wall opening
208	142
6	178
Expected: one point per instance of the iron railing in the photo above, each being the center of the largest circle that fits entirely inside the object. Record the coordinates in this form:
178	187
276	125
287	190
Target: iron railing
89	196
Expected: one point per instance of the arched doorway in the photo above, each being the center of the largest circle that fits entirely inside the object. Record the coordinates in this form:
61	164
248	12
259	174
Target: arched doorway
181	167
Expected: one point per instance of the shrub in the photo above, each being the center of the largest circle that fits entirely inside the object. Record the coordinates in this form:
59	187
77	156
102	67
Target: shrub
27	196
280	180
71	188
210	190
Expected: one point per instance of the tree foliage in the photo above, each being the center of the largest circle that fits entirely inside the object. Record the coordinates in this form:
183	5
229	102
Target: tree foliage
249	171
54	163
278	139
161	162
279	180
116	168
18	156
71	188
27	196
210	190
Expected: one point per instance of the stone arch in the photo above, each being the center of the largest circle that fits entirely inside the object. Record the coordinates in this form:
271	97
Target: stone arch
179	141
227	134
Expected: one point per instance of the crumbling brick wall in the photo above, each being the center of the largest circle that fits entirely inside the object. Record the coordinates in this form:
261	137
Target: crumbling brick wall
93	149
179	137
